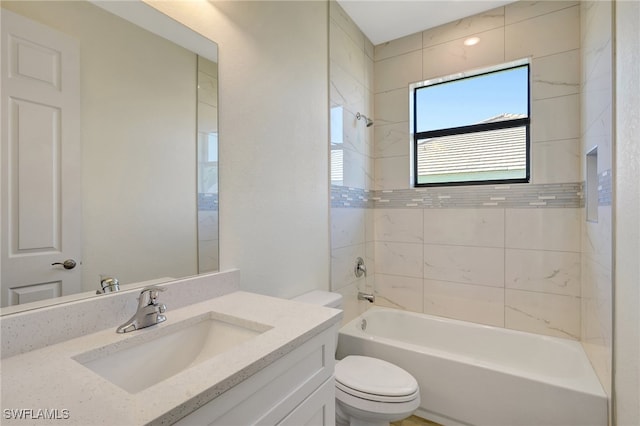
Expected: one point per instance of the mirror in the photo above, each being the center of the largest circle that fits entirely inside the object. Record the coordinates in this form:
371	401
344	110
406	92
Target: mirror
141	185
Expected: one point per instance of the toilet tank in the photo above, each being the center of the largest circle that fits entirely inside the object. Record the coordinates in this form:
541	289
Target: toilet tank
322	298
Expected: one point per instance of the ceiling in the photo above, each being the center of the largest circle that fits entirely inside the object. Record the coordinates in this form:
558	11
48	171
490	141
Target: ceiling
385	20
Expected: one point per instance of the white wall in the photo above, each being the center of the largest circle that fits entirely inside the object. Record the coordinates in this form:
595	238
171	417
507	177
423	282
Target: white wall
274	167
627	214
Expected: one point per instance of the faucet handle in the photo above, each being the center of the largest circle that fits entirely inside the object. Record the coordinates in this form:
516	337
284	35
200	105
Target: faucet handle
152	291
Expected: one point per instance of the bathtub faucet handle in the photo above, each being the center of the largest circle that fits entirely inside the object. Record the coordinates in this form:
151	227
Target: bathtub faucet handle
360	269
369	297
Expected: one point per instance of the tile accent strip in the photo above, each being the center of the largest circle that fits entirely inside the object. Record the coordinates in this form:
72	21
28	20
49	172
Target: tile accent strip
207	201
344	196
556	195
604	188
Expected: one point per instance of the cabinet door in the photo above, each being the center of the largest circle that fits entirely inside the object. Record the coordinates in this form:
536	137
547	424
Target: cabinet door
317	410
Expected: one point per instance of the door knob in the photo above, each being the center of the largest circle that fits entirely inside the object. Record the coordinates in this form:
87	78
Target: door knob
67	264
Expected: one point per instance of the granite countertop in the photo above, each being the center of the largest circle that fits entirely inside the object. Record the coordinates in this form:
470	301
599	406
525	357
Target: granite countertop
50	379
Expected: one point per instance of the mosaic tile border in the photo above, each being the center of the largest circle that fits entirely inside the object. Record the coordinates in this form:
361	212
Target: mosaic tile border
604	188
207	202
344	196
559	195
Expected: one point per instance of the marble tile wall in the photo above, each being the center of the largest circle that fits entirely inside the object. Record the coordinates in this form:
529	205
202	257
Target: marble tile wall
351	85
208	232
502	265
596	130
514	268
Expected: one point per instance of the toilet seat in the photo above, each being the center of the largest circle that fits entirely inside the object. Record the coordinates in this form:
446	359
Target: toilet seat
373	397
375	380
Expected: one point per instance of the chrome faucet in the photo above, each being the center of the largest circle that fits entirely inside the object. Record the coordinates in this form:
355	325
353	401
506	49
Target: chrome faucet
369	297
149	311
360	270
108	285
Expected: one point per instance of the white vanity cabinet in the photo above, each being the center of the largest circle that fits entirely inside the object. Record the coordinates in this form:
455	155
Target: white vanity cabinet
297	389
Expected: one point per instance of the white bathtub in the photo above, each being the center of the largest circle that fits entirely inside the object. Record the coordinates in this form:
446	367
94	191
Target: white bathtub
482	375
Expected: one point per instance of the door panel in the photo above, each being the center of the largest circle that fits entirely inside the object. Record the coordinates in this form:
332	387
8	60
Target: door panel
36	192
34	293
40	181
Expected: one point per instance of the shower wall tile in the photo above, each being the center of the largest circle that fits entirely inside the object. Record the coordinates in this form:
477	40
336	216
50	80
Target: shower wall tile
399	292
555	75
521	10
351	83
369	67
465	27
369	225
351	306
391	172
543	229
480	304
346	91
398	46
555	118
481	244
346	24
489	197
208	225
543	35
392	107
555	161
369	49
554	272
398	225
343	261
598	133
403	259
391	140
354	137
347	227
597	238
398	71
453	56
542	313
465	265
597	130
208	256
595	34
597	313
346	52
357	169
466	227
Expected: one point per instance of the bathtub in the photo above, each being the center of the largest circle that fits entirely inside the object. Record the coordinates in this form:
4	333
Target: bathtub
471	374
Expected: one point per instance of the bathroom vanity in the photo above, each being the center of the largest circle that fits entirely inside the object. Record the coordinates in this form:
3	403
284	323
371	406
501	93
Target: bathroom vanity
240	358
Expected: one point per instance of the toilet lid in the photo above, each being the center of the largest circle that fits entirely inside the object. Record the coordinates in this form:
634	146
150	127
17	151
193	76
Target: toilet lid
374	377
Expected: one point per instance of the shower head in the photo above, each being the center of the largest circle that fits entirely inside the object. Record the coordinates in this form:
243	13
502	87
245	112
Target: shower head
367	120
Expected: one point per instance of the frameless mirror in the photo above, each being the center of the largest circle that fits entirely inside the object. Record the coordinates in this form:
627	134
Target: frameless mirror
109	149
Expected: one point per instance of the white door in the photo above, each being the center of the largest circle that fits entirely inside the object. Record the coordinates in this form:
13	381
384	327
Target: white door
40	160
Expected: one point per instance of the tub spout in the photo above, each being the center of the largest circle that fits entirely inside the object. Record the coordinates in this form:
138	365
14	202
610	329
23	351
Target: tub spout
369	297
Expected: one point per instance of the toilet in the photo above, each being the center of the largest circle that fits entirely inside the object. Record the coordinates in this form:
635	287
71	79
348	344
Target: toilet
369	391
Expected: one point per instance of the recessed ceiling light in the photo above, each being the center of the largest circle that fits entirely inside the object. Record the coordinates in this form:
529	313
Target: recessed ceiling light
471	41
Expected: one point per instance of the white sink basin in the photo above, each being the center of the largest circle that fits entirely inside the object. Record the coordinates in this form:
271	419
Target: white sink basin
144	360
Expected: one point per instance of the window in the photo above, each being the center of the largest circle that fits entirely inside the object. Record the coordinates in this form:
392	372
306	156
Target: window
472	128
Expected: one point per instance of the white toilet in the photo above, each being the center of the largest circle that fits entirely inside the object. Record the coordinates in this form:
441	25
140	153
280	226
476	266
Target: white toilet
369	391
